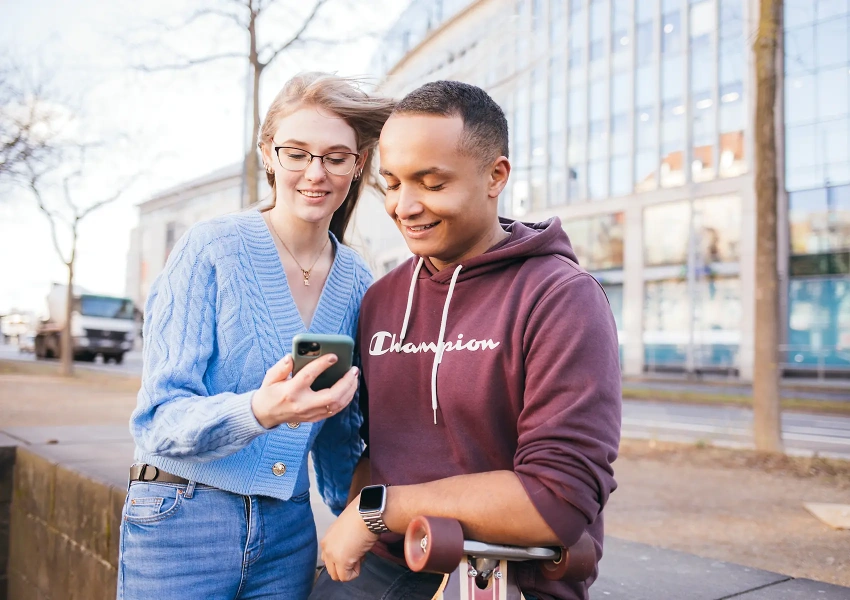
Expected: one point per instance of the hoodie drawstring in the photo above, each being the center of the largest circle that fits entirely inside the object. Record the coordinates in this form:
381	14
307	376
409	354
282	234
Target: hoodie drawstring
438	355
410	299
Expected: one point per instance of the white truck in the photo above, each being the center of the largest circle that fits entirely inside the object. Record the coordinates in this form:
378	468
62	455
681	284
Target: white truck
100	324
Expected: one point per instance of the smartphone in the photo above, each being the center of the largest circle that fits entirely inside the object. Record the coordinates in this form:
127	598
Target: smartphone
307	347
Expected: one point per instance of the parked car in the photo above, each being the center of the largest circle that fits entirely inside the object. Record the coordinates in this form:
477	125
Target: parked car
26	342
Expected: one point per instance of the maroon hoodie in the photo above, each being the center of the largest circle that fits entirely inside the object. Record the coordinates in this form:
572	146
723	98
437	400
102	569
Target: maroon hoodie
528	381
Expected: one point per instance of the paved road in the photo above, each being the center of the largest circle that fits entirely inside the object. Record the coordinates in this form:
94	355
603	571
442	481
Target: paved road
804	434
132	364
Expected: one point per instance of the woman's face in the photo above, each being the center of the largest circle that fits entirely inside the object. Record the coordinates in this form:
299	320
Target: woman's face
312	194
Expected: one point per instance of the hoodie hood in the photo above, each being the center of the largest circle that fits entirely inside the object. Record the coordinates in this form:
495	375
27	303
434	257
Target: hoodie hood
526	240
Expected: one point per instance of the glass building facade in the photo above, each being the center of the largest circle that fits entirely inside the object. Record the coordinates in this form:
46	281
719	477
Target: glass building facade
632	121
817	178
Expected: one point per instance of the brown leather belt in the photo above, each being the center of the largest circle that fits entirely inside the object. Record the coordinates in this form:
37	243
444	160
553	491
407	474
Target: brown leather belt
143	472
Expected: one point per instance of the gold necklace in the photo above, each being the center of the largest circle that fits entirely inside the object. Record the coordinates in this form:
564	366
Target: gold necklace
305	273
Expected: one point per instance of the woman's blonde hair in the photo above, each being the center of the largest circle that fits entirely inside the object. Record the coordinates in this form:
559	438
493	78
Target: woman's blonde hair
364	113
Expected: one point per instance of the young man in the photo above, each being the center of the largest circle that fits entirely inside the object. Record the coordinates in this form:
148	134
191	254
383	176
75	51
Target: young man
490	376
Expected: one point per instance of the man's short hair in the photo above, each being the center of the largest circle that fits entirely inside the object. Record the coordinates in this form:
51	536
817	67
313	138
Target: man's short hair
484	125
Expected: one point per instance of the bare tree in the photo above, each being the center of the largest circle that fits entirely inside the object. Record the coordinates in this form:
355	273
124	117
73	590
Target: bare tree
29	126
68	219
767	419
247	16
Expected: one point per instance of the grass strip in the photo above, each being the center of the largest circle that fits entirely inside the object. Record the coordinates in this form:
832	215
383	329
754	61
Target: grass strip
686	397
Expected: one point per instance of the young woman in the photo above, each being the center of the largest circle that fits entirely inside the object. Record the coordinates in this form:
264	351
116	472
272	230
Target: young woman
218	505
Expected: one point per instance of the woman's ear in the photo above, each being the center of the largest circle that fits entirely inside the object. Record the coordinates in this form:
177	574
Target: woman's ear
364	156
266	153
361	163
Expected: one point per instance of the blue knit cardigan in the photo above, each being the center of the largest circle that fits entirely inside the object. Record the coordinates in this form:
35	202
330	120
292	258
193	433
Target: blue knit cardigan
217	318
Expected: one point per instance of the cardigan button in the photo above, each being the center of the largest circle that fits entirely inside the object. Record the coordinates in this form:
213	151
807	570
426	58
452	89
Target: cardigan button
293	425
278	469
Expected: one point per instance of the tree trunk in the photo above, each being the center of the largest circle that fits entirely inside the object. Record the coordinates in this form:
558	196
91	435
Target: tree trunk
66	351
252	164
767	423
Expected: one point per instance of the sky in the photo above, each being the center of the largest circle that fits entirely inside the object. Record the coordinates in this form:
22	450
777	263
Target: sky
152	130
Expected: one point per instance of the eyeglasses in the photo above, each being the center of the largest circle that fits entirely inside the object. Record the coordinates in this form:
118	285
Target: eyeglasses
335	163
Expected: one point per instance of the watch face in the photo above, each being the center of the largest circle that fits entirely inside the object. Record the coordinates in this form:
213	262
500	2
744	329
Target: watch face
372	498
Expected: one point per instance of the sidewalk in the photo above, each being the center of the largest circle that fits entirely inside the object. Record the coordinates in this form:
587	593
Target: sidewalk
629	570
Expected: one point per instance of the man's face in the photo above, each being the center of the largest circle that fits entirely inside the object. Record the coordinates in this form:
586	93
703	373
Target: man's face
443	201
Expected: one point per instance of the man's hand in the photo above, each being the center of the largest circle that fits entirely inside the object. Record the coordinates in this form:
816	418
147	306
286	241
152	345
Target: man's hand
346	543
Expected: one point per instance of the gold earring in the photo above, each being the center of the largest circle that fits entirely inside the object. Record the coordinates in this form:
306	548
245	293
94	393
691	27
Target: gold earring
269	170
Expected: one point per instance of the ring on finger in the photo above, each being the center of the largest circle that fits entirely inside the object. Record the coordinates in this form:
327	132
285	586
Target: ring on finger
330	411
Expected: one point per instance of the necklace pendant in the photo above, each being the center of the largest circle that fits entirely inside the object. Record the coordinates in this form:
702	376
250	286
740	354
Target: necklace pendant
306	275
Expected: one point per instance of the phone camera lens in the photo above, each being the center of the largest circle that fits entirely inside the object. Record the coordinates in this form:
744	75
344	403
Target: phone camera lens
314	347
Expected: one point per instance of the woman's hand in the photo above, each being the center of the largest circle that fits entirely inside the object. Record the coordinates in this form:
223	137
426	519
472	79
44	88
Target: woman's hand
282	399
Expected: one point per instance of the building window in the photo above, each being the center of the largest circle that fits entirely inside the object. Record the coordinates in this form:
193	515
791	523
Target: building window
717	322
621	176
817	95
598	241
621	135
672	143
597	179
731	18
621	42
820	220
557	23
704	135
599	28
671	33
173	232
598	99
666	324
646	164
671	248
645	43
819	323
578	38
597	146
716	226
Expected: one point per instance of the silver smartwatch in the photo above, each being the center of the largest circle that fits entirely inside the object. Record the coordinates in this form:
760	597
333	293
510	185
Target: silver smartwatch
373	501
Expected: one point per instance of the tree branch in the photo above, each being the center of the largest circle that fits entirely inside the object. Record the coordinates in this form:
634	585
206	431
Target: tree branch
66	187
33	184
209	12
108	200
191	62
304	25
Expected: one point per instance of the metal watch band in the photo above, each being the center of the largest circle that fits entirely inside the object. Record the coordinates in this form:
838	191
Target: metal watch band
375	522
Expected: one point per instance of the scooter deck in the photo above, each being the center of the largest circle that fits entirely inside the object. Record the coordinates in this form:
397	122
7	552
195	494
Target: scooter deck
459	585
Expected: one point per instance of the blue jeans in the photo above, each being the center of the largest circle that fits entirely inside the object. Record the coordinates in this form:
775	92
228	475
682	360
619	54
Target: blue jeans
380	579
195	541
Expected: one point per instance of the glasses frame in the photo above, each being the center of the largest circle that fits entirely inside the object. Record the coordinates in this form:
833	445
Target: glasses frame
321	158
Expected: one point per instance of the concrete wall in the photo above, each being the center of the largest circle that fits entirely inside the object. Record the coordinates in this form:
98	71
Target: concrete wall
7	462
63	538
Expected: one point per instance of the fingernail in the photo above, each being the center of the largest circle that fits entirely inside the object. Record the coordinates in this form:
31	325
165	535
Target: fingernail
287	358
355	371
332	358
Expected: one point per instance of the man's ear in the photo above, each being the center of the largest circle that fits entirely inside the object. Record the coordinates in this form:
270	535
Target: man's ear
500	170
